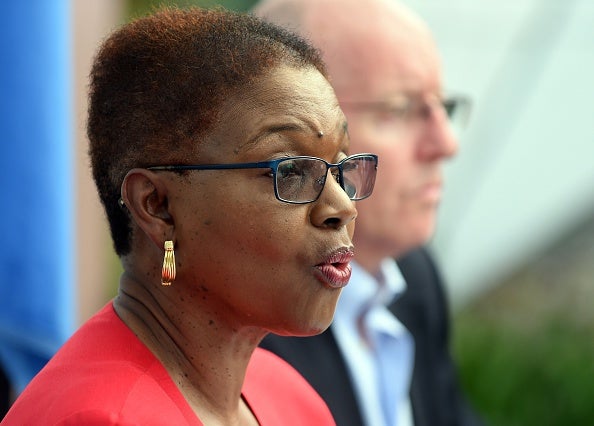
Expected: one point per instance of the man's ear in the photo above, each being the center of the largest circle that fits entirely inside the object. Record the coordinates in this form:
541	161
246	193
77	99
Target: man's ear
145	195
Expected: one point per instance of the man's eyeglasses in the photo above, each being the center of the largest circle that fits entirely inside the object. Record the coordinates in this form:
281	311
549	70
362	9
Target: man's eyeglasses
300	180
412	108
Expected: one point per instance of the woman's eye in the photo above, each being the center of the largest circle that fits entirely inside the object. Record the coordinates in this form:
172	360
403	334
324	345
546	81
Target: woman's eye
288	169
349	166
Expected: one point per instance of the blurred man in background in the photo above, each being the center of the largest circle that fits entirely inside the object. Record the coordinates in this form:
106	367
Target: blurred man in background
385	360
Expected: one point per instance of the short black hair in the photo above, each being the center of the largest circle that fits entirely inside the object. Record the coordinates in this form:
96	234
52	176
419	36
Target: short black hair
157	85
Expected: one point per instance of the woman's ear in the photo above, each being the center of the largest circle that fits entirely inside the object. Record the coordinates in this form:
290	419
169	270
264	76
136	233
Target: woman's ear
145	195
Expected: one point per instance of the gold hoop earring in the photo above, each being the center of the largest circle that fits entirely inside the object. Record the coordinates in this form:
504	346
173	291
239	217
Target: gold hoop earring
168	271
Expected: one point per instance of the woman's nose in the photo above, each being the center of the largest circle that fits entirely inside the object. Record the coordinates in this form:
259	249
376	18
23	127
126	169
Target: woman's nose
334	208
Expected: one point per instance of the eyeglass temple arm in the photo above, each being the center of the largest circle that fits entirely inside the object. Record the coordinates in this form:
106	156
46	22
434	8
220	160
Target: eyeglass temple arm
258	165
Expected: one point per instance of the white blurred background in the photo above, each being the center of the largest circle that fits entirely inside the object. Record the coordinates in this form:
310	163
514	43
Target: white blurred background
524	178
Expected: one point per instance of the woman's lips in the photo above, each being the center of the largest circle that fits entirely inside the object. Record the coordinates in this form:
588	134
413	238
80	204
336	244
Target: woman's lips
336	269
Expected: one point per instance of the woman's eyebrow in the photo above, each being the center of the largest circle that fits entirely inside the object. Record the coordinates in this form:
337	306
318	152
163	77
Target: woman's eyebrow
345	136
271	130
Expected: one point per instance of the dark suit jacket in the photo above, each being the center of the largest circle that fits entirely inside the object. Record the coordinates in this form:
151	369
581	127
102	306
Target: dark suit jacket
435	394
4	393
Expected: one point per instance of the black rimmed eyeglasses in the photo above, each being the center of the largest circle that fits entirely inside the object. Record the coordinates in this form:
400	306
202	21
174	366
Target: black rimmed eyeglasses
409	106
300	180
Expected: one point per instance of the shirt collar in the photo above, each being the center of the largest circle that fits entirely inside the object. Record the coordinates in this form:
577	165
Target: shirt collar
363	287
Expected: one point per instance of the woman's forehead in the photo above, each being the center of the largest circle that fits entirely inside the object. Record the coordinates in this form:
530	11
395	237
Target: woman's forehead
285	98
289	87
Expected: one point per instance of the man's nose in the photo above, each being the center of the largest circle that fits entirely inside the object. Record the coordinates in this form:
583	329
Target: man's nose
437	138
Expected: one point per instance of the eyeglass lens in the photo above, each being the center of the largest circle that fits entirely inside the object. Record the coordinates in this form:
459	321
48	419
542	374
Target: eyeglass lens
458	110
301	180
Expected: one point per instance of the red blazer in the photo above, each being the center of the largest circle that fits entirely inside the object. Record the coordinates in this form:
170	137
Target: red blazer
104	375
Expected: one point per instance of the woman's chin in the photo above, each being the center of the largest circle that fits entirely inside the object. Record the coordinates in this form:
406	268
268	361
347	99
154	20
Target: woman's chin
318	328
305	330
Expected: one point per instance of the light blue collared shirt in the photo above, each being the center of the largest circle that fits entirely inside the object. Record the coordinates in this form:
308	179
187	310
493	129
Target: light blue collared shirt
360	359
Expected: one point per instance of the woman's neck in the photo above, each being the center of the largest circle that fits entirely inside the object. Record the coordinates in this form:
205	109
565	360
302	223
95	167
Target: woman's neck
205	358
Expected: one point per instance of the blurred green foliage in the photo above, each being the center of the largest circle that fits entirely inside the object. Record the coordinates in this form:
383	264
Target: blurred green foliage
514	375
526	348
141	7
